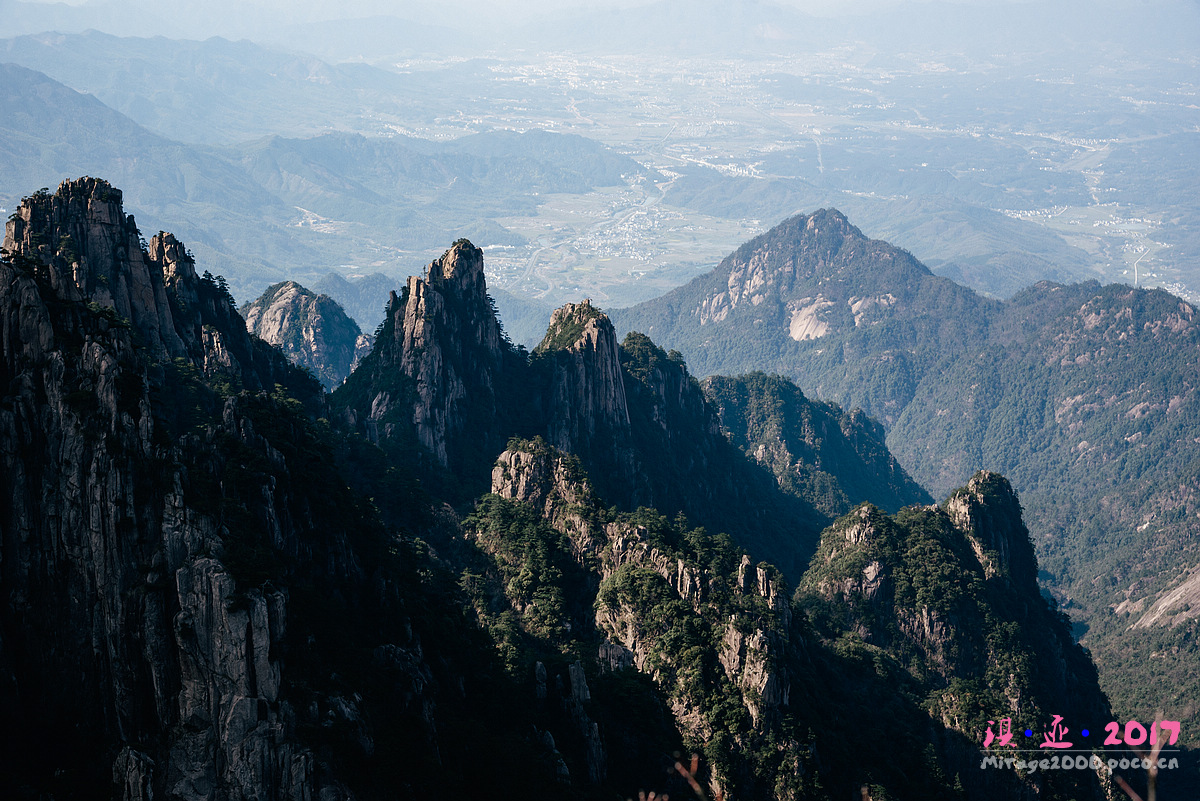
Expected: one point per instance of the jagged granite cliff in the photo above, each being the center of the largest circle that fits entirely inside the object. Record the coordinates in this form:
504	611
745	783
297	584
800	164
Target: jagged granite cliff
443	388
586	409
909	633
312	330
210	591
122	645
432	375
195	603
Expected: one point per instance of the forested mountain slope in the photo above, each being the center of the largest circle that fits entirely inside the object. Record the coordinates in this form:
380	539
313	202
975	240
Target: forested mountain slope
1083	395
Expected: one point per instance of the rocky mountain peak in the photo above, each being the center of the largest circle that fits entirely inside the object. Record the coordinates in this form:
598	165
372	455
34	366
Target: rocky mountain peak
576	326
552	482
460	269
457	279
120	615
988	512
177	266
589	413
920	583
86	249
82	250
436	364
805	279
312	330
802	291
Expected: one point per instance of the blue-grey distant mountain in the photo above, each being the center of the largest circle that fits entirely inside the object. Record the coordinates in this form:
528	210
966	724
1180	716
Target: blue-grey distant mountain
218	91
283	208
363	297
51	133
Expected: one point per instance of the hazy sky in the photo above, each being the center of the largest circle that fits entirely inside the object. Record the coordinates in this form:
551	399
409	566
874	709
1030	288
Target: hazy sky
275	21
312	10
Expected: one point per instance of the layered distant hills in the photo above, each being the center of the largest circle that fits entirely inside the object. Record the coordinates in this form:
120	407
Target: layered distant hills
474	570
1083	395
308	203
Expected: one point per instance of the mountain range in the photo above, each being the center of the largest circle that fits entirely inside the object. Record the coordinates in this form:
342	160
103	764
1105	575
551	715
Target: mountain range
476	570
1082	395
333	199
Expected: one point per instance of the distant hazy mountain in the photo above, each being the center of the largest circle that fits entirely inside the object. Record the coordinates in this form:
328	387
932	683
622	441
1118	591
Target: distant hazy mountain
213	92
364	297
357	31
744	29
113	16
759	28
52	133
955	219
373	39
410	188
1085	396
298	206
226	92
312	330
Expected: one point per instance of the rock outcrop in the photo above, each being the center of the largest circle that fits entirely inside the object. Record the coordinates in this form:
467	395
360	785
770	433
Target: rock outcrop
951	592
587	409
583	394
79	245
988	513
312	330
123	624
119	621
436	364
752	630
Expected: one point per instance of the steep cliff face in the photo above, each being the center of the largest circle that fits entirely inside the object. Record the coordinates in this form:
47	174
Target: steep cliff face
900	633
693	614
586	394
442	387
81	248
951	593
988	513
312	330
582	395
170	541
435	366
122	627
87	250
